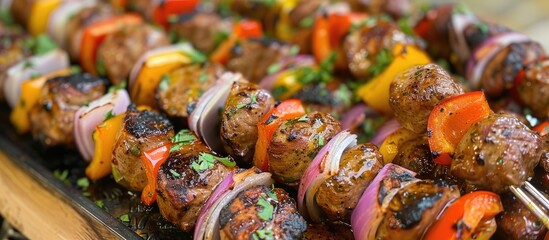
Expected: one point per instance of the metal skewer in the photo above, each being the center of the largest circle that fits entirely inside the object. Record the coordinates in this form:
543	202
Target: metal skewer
534	200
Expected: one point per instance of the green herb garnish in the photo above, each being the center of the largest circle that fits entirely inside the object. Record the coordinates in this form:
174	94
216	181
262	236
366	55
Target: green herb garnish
253	100
203	77
383	58
124	218
294	50
206	161
62	175
273	68
115	88
175	174
278	91
182	138
405	26
266	213
6	17
164	82
75	69
100	67
109	115
307	22
83	183
263	234
323	74
197	57
43	44
135	150
35	75
320	140
303	118
27	65
100	203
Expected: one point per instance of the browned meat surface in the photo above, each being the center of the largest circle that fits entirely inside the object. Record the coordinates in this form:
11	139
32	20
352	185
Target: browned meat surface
437	36
517	222
338	195
414	208
415	92
245	106
21	10
301	20
497	152
259	10
363	45
12	50
84	18
533	91
119	51
245	216
253	57
140	131
296	142
182	190
203	30
544	160
415	155
333	98
320	232
52	118
179	90
499	74
475	34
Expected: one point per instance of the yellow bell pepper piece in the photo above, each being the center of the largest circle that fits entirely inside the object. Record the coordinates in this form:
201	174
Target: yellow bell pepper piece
284	30
151	73
389	147
30	92
375	93
104	138
38	18
289	82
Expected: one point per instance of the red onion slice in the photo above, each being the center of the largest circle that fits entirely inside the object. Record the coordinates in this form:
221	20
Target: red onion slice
204	119
208	224
384	131
57	22
323	166
459	23
288	63
369	212
134	73
89	117
36	65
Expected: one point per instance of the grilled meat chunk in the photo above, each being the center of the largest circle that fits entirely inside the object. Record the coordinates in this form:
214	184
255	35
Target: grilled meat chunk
203	30
253	57
301	19
497	152
178	92
245	106
517	222
11	52
413	208
415	92
296	142
248	215
140	132
334	231
363	45
415	155
434	28
338	195
533	91
52	118
182	190
333	98
501	70
476	33
119	51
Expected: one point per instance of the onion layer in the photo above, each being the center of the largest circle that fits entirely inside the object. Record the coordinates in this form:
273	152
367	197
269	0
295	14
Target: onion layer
36	65
384	131
89	117
57	22
369	211
323	166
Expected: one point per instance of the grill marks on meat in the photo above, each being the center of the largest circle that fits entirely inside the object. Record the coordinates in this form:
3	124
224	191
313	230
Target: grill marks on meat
52	119
181	195
533	91
415	92
202	30
119	51
296	142
253	57
245	106
338	195
497	152
500	71
475	34
180	90
141	131
240	218
517	222
413	208
415	155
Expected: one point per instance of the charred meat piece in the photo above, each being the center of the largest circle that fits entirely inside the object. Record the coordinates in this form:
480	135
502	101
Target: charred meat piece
296	142
140	132
517	222
301	19
245	106
338	195
497	152
500	72
475	34
320	232
413	208
179	90
12	50
52	118
183	190
533	90
333	98
544	160
253	57
415	155
84	18
363	45
203	30
119	51
434	28
261	211
415	92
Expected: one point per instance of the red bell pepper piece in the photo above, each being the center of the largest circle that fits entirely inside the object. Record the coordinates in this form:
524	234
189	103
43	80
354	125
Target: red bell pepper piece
243	29
167	8
153	159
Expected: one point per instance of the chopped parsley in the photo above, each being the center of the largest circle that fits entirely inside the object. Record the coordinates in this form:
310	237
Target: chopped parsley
197	57
100	203
124	218
263	234
460	8
35	75
405	26
165	82
28	64
482	27
278	91
253	100
135	150
266	213
100	67
294	50
83	183
220	37
323	74
307	22
207	161
115	88
320	140
6	17
175	174
203	77
75	69
109	115
182	138
273	68
303	118
43	44
383	58
62	175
